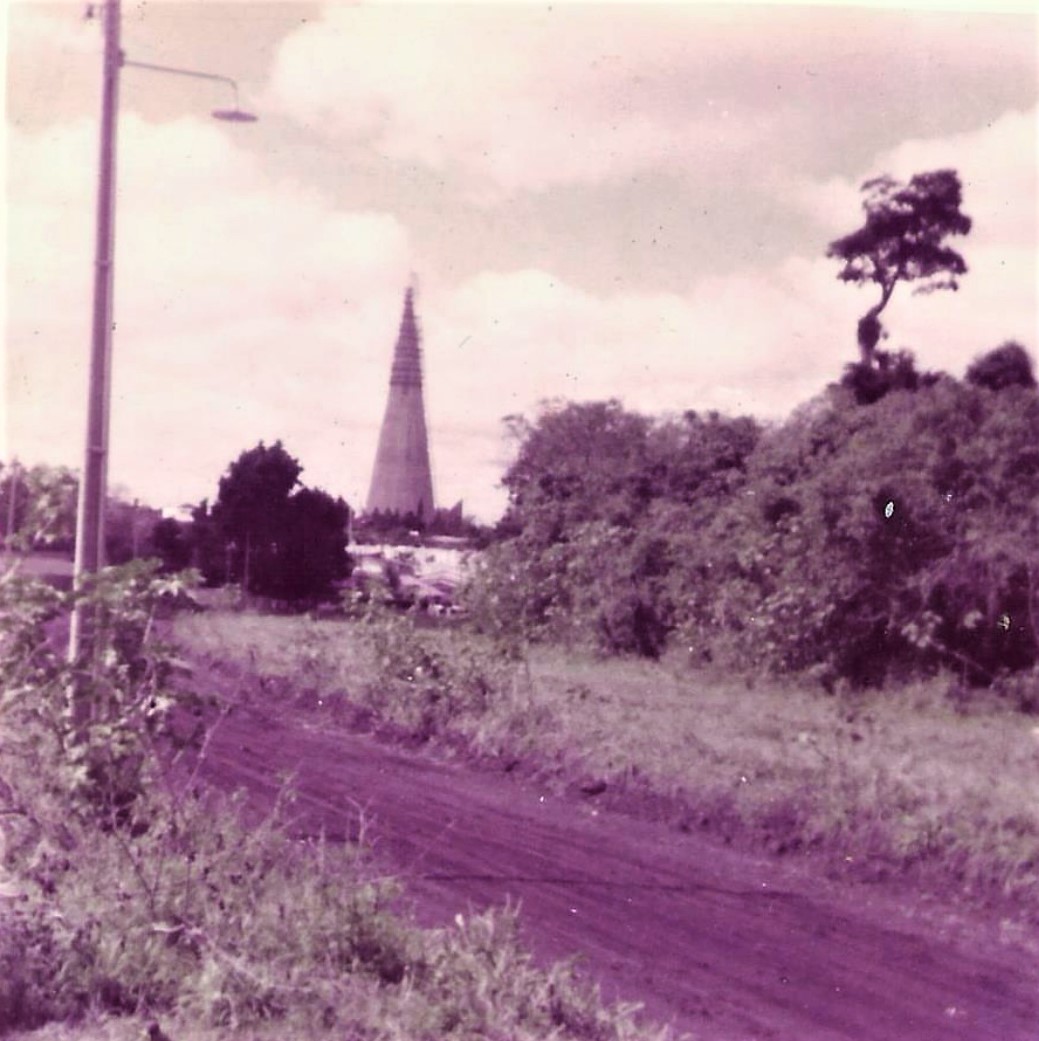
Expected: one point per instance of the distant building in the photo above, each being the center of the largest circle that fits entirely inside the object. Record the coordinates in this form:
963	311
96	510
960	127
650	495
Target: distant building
402	481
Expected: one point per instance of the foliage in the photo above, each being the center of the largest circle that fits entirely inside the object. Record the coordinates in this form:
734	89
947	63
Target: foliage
889	371
903	239
885	540
272	537
1006	366
96	720
38	506
594	494
128	887
777	766
424	684
490	988
171	541
202	916
392	528
577	463
129	533
852	543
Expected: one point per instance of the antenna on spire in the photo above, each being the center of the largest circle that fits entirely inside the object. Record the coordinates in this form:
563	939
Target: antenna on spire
413	283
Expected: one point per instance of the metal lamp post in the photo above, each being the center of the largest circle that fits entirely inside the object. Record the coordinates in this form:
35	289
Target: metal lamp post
90	512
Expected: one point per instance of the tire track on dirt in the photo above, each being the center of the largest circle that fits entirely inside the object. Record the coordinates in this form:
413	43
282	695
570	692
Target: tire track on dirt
721	945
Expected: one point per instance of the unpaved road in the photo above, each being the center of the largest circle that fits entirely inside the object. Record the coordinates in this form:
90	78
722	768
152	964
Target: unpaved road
723	946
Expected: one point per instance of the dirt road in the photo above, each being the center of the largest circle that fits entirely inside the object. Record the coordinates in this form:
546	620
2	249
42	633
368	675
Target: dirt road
726	947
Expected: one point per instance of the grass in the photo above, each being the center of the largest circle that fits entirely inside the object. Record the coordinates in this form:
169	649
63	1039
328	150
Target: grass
131	893
897	784
203	922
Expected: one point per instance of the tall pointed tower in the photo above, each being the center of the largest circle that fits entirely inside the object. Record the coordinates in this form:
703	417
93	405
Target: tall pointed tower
401	480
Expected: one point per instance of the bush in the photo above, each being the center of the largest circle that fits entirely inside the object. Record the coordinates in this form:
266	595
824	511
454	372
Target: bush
1009	365
887	372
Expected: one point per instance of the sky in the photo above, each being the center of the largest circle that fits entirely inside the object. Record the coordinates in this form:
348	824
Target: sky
593	201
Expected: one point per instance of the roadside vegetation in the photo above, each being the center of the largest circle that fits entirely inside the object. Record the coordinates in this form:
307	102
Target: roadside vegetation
908	784
129	889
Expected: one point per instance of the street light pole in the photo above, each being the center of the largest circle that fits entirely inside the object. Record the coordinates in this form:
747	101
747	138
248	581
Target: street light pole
91	506
90	511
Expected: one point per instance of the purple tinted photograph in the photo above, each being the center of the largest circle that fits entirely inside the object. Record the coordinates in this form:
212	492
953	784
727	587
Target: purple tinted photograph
520	520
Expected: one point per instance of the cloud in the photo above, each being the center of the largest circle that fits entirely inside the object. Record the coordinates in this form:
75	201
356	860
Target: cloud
513	98
244	307
250	306
501	343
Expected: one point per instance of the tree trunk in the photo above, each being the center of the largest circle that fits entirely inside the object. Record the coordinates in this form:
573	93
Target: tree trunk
869	332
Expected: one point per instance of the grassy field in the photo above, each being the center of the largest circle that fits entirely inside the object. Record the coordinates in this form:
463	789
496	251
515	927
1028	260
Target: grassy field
899	784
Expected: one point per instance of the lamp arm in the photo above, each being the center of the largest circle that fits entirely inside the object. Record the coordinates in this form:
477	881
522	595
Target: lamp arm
184	72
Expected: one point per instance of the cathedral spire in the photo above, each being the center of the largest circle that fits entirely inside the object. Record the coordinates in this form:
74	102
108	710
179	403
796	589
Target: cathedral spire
402	481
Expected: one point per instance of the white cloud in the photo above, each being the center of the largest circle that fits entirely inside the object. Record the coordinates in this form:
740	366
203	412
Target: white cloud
511	97
249	307
516	97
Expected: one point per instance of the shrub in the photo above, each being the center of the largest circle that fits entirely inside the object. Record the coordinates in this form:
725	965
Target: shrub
887	372
426	685
1009	365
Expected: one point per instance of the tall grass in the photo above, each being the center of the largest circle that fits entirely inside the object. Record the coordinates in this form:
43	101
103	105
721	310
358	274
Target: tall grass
902	783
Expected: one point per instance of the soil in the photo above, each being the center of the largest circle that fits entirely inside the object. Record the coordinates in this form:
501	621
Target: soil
720	944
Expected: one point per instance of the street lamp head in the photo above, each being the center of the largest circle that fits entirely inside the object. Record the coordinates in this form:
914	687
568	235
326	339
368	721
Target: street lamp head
233	115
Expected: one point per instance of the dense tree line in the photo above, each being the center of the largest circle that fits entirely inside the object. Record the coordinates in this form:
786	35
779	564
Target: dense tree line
890	526
852	541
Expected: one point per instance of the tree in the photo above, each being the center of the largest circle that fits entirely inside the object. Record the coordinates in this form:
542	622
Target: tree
274	536
600	502
903	240
313	551
170	540
1007	366
38	506
251	508
576	463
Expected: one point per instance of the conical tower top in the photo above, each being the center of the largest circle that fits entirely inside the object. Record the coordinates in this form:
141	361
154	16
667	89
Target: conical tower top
407	356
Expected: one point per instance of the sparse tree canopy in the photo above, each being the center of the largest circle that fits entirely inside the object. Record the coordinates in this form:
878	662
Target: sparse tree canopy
903	240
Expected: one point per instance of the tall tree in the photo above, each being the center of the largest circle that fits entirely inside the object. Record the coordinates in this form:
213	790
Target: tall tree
272	534
252	506
903	240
